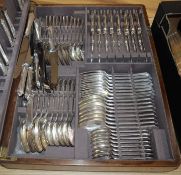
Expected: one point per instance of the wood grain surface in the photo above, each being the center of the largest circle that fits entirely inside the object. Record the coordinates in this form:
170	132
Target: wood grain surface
151	6
4	171
1	3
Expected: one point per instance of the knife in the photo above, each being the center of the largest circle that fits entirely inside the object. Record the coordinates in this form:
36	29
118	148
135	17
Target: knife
39	47
3	68
9	22
25	52
6	29
4	56
24	59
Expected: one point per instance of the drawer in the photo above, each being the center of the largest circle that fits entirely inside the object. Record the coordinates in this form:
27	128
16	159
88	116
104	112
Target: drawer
88	95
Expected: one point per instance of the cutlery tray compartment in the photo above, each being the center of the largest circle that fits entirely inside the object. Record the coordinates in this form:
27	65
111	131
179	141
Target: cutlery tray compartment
134	113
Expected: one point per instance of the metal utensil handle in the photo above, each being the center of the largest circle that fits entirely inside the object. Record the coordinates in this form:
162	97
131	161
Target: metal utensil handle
3	68
37	75
29	83
6	30
22	82
11	26
20	4
4	56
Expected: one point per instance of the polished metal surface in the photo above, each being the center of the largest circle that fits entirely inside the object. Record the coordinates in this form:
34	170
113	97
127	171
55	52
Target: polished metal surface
124	103
64	33
101	148
115	31
115	106
49	120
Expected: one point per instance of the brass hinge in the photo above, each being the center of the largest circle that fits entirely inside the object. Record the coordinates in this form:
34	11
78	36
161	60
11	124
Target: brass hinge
4	154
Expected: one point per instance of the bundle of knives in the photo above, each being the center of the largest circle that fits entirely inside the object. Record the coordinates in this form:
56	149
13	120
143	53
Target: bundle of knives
124	103
112	32
8	30
54	40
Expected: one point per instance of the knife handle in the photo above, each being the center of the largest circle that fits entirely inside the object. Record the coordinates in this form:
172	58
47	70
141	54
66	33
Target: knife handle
22	82
53	60
28	89
3	68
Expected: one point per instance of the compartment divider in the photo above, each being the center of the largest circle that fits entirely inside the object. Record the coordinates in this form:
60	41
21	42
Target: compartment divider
77	97
86	38
76	113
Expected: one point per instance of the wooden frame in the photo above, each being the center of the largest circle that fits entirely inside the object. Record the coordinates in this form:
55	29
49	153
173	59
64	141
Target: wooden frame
93	165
